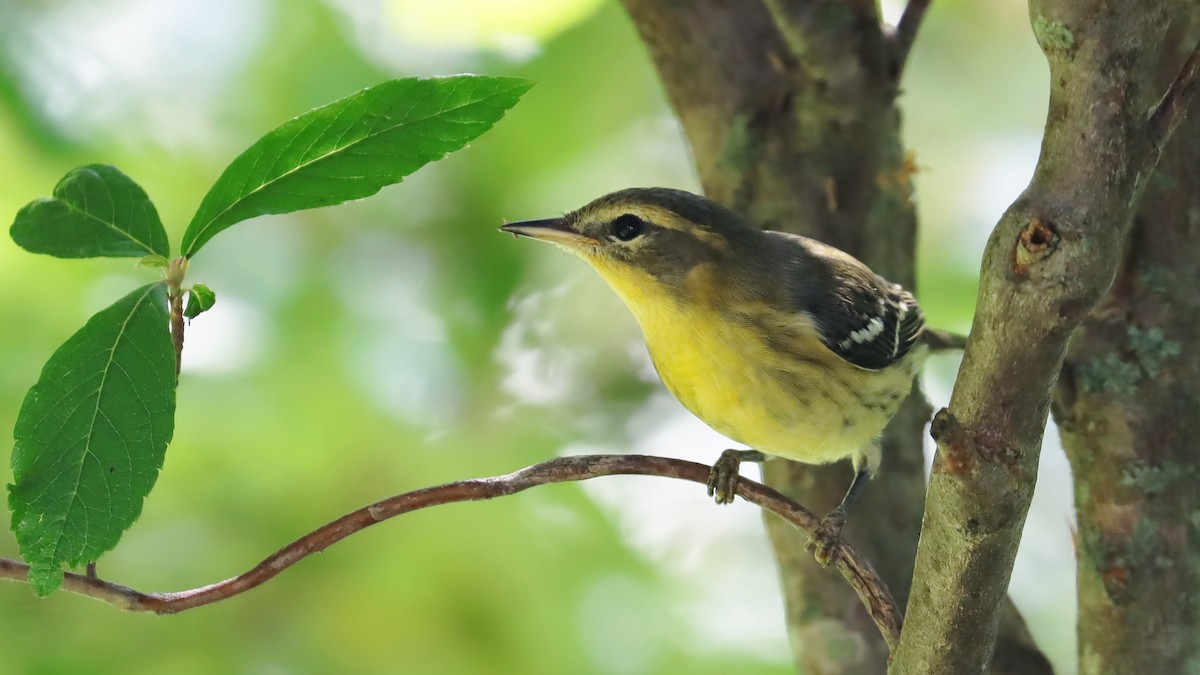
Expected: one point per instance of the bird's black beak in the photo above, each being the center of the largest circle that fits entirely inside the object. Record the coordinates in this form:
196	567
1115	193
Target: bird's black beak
553	230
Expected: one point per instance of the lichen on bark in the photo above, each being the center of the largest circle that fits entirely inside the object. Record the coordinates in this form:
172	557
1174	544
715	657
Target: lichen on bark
1126	407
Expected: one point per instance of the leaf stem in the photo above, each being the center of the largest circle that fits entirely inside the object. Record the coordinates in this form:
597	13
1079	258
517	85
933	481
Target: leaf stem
177	324
175	273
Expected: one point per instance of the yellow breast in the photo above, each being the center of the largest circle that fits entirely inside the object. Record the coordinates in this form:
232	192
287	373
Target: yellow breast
726	373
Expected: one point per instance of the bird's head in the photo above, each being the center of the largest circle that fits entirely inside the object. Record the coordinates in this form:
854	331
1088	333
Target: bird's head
642	239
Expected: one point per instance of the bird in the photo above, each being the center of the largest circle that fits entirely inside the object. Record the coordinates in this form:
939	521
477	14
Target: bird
777	341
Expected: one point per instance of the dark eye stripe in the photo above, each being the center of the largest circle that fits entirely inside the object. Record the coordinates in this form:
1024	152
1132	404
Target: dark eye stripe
627	227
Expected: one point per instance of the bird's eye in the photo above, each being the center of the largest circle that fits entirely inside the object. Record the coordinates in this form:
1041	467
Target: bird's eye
628	227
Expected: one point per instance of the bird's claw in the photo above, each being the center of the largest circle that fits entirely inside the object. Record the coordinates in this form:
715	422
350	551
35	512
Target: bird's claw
723	478
827	536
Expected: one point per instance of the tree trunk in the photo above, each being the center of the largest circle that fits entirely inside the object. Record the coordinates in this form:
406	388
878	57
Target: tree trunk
790	110
1128	409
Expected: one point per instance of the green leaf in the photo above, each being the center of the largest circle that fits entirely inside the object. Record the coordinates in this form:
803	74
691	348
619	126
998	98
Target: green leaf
96	211
351	148
91	436
200	299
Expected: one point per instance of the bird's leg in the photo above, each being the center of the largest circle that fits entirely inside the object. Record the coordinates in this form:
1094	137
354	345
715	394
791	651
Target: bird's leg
829	532
723	479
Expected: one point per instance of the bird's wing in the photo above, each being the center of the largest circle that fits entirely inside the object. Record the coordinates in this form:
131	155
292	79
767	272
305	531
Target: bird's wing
869	326
860	316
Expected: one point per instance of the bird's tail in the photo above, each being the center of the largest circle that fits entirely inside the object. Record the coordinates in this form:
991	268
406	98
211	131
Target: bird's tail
942	341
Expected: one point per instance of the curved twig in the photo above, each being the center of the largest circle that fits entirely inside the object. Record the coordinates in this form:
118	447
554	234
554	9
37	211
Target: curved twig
856	570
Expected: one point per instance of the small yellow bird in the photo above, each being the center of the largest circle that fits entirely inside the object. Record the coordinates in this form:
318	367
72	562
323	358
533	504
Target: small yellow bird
777	341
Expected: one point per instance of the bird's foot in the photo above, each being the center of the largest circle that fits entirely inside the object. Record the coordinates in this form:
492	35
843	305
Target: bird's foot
827	536
724	476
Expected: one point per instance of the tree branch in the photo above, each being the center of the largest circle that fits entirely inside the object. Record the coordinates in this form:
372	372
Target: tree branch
1051	257
906	33
1172	108
853	567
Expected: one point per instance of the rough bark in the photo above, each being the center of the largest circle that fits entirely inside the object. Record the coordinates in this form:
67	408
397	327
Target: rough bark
791	113
1051	258
1126	406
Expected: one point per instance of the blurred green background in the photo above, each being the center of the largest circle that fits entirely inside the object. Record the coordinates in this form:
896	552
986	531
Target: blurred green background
398	342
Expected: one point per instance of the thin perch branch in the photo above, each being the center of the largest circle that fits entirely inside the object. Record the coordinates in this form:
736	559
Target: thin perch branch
856	570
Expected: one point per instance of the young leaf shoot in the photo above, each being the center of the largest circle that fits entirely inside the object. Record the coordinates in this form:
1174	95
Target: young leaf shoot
92	433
